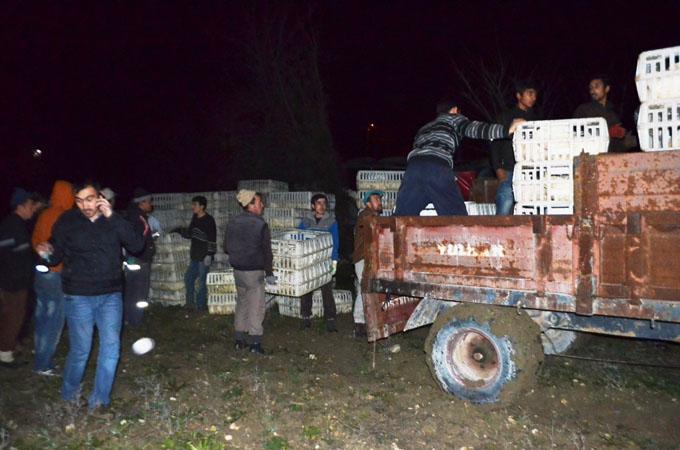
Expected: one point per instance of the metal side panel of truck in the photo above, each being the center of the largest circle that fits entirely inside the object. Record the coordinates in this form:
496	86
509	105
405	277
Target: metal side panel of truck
612	268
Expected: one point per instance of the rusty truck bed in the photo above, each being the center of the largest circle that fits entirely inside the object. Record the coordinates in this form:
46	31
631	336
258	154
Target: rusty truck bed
617	256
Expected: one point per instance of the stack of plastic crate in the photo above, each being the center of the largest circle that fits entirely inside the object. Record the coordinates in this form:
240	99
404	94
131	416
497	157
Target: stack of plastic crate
284	209
290	306
658	85
543	178
221	292
168	268
387	181
302	261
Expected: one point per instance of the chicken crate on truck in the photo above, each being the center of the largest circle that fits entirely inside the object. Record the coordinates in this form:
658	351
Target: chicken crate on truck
502	290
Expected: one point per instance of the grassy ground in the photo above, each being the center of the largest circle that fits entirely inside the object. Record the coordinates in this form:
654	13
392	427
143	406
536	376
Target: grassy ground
316	390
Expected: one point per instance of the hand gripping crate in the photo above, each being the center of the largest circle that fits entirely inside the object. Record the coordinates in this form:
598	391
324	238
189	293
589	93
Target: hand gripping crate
221	303
290	306
657	76
263	186
296	283
544	208
560	140
296	199
299	243
659	125
381	180
547	181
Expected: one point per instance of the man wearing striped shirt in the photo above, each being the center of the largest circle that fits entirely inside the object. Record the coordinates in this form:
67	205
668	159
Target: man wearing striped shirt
429	176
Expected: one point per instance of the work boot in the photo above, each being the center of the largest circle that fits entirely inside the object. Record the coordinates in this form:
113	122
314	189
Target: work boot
257	349
306	323
330	326
240	345
360	330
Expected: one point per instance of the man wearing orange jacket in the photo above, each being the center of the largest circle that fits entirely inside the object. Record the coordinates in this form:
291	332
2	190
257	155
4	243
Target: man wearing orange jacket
49	309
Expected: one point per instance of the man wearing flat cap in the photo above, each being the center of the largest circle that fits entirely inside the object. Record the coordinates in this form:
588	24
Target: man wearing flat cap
138	269
247	241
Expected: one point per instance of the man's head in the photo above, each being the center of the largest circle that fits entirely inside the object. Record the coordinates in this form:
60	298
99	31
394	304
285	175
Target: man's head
109	195
448	105
250	201
23	203
373	201
599	88
143	199
198	205
319	204
526	94
86	195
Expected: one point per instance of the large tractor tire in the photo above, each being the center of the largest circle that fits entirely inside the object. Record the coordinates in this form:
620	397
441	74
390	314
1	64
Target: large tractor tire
484	354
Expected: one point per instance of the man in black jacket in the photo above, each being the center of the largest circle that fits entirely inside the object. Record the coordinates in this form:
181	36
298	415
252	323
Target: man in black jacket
16	269
88	240
502	153
247	241
138	269
203	234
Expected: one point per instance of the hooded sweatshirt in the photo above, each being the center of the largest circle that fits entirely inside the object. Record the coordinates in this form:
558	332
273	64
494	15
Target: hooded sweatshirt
61	200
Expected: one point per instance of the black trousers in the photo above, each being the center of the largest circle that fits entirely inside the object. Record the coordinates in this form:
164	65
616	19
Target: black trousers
328	303
137	284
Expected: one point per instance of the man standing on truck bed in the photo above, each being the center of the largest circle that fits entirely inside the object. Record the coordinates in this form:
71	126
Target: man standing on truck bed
429	176
620	140
502	153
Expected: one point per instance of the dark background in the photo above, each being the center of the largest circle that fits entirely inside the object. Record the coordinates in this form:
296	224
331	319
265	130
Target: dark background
139	93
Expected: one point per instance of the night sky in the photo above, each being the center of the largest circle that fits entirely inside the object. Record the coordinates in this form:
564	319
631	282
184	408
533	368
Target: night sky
138	93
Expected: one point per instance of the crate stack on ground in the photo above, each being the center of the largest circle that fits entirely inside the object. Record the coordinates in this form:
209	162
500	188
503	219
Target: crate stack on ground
290	306
543	178
387	181
221	292
167	270
658	84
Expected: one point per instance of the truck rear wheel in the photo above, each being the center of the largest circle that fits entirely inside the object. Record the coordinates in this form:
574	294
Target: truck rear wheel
484	354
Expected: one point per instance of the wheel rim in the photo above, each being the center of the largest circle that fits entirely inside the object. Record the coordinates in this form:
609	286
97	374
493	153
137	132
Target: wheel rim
473	358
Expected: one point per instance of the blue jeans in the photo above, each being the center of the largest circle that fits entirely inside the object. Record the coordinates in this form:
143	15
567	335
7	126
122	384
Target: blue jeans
49	317
198	270
82	314
429	181
505	200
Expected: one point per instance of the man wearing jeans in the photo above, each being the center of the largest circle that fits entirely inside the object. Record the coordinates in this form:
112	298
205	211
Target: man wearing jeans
49	308
203	234
88	241
429	176
502	153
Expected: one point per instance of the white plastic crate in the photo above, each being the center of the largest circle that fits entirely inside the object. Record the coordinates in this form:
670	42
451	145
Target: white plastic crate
296	263
263	185
278	218
299	243
543	209
297	199
290	306
225	277
303	275
178	256
546	181
657	76
299	289
381	180
659	125
221	303
560	140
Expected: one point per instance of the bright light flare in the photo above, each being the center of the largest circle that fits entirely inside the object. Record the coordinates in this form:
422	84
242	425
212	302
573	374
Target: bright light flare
143	346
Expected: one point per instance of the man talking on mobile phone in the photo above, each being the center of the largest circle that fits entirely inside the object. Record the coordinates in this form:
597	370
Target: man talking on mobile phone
88	241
